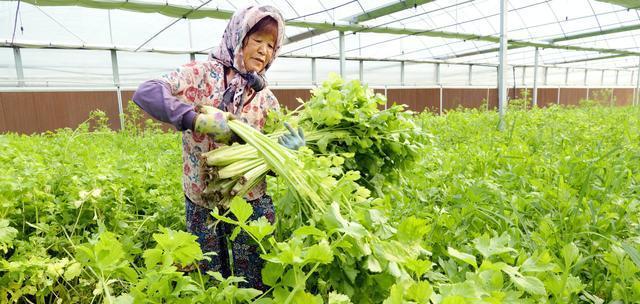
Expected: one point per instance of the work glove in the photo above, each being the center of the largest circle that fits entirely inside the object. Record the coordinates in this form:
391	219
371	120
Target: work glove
215	123
294	140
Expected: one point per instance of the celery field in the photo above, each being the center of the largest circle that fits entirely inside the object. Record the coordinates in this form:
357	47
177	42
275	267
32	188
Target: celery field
545	211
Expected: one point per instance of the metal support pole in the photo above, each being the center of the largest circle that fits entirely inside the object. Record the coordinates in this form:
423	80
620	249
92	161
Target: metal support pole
488	91
386	101
633	97
558	97
343	69
502	88
617	76
440	100
587	93
534	99
361	70
586	71
116	82
437	73
314	77
566	77
546	75
192	56
17	57
638	84
190	35
602	78
469	82
402	73
612	96
110	30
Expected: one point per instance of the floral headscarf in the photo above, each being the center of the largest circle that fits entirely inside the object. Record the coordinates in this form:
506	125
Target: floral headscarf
230	54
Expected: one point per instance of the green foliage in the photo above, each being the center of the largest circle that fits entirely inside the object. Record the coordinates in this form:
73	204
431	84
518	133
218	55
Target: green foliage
521	103
554	197
61	189
599	97
545	212
348	116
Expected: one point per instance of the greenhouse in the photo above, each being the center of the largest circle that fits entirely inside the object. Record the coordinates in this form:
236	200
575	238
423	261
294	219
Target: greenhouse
424	151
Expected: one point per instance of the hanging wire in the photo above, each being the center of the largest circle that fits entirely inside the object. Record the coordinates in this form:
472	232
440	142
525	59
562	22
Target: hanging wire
557	19
60	24
442	27
230	3
322	11
172	23
549	57
382	24
15	23
361	7
304	16
544	37
21	25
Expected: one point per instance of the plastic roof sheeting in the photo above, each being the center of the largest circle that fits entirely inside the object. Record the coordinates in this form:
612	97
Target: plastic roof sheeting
590	33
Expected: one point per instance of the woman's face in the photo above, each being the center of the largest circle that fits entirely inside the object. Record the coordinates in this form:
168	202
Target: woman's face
258	51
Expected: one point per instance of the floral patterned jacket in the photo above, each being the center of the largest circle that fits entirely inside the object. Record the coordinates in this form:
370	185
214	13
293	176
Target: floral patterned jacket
199	83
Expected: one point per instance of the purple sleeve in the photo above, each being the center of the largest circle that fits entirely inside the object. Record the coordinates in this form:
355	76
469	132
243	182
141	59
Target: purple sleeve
155	98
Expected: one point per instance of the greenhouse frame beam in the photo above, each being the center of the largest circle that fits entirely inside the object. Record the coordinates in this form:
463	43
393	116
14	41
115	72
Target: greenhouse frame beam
453	35
637	95
179	11
190	12
554	40
534	100
473	53
25	45
314	73
343	60
387	10
621	29
170	10
502	89
365	16
587	59
116	81
632	4
18	62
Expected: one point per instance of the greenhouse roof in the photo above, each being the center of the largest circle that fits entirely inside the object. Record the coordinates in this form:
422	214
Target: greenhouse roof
600	34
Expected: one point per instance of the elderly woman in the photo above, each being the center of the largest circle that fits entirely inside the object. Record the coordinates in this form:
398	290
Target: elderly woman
229	85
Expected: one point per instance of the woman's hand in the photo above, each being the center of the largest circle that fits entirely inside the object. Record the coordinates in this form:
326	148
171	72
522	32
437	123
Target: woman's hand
215	123
294	140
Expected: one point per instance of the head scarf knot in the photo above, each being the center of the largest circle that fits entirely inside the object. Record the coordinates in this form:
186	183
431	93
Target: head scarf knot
229	53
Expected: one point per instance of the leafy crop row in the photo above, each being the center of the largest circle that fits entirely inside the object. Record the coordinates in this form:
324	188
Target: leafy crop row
546	211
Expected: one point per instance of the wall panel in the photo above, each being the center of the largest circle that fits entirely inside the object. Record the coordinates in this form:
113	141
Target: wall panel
29	112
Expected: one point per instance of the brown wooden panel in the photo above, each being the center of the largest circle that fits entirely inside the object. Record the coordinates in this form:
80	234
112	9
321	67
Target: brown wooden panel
416	99
19	109
287	97
547	97
493	98
3	119
604	96
51	113
467	98
80	104
127	102
572	96
381	92
624	97
29	112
